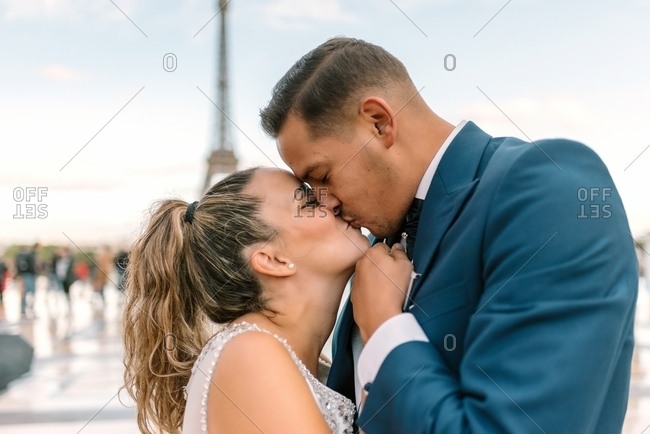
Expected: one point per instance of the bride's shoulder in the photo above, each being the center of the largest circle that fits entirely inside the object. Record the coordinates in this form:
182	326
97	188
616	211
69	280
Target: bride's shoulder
256	355
254	349
256	376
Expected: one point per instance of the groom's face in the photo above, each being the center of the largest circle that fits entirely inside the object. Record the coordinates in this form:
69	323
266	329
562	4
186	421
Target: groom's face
349	171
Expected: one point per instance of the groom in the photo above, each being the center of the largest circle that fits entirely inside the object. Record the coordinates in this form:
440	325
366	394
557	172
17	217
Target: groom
521	318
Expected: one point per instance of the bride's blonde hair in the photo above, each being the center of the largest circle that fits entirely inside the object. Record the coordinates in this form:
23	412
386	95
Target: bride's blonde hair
182	277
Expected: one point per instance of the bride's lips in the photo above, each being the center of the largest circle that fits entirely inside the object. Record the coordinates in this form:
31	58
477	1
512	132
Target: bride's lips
353	226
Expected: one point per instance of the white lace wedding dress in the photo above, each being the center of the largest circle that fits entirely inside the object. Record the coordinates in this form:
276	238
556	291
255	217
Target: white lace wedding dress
337	410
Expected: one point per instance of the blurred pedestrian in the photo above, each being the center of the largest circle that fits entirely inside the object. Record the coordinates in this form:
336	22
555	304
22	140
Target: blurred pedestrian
64	269
82	270
26	269
104	262
121	260
50	272
4	272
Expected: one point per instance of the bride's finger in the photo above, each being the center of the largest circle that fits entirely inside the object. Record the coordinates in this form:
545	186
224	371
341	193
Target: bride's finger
381	246
398	252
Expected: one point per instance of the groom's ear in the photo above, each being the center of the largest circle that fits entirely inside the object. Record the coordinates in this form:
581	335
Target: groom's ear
379	115
265	261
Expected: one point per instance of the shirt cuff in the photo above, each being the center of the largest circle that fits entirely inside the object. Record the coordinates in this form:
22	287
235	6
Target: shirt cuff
391	334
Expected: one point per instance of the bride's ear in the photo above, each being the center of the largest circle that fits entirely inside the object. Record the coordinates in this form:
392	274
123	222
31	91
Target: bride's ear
267	262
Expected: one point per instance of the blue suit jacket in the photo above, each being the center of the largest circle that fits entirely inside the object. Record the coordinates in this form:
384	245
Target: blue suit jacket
527	295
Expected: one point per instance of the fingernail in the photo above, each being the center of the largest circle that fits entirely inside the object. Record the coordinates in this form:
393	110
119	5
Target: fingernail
398	246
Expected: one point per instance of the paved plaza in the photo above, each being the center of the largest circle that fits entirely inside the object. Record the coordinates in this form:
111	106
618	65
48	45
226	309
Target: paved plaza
74	384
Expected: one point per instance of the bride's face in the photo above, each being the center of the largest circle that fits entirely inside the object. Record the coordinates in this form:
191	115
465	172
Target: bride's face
309	234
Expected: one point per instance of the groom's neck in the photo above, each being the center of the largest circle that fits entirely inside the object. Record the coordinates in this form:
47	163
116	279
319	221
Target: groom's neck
422	134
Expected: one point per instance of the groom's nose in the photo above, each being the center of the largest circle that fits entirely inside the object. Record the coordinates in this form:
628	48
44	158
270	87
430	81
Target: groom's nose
327	199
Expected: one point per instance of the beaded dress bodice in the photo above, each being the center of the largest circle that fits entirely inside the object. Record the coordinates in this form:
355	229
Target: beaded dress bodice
337	410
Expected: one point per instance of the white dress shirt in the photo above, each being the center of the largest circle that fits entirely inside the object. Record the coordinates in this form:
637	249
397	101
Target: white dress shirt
401	328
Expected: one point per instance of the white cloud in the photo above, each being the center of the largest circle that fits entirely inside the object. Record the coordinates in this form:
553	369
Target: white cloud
416	3
20	9
298	13
534	116
64	73
71	10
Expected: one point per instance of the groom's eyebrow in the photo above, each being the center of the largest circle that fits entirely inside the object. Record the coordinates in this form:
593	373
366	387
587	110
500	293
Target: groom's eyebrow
307	173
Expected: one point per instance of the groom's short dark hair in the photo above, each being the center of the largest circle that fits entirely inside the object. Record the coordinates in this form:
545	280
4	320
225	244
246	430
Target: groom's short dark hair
320	86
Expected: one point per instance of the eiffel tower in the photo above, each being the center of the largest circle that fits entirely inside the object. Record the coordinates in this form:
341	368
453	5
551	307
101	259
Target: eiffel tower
222	159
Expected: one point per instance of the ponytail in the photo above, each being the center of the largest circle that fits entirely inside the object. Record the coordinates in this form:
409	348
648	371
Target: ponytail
182	278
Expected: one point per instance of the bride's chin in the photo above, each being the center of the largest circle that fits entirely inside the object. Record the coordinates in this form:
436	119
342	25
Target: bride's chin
350	272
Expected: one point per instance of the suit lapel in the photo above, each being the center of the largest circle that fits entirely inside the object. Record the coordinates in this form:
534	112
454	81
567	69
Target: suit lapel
434	224
454	181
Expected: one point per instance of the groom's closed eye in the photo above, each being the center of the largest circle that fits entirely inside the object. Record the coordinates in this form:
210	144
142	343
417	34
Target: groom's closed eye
325	178
321	175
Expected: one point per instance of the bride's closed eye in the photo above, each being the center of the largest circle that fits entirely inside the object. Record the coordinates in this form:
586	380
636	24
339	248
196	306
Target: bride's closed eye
311	201
309	196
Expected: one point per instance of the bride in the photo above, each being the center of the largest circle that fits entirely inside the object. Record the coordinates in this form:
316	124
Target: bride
260	257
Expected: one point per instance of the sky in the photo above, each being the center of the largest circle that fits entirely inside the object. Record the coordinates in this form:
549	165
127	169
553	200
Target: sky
94	127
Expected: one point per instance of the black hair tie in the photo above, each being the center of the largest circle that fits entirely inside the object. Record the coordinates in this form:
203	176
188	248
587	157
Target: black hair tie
189	214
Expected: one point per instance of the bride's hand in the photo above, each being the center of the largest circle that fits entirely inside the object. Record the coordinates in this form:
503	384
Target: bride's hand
379	287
